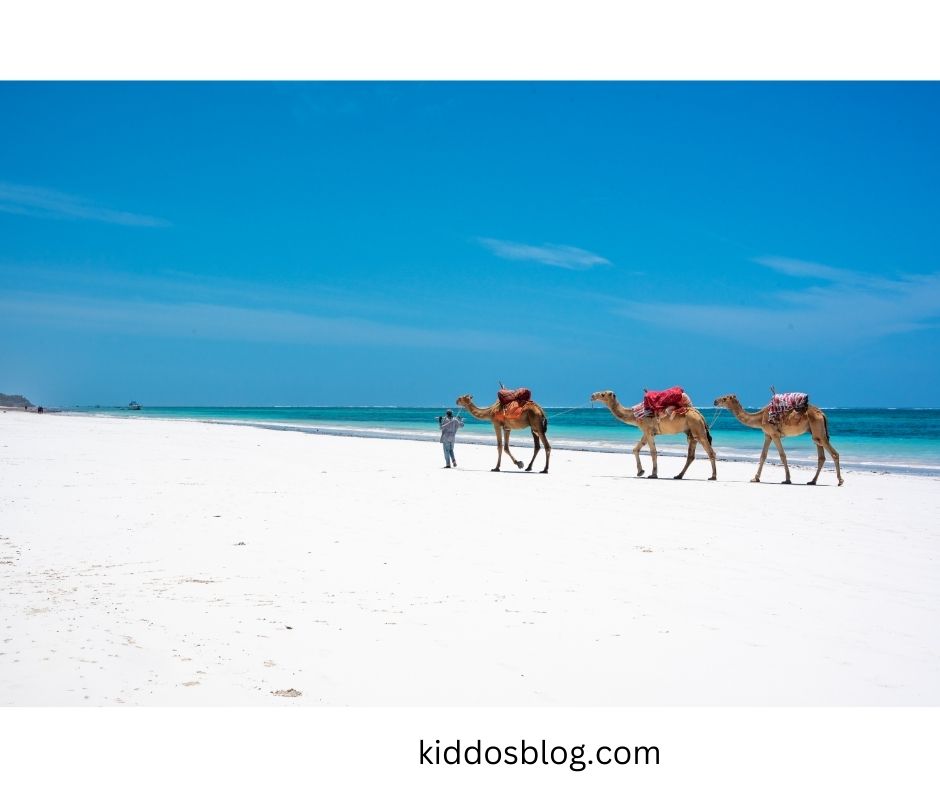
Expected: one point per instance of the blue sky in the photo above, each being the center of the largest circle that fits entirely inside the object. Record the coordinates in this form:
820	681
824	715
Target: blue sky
387	243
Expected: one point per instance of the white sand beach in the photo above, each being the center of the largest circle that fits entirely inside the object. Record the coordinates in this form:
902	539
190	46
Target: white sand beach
152	562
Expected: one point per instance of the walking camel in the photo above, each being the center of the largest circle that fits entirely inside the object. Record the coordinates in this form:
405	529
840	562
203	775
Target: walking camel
792	423
692	423
531	416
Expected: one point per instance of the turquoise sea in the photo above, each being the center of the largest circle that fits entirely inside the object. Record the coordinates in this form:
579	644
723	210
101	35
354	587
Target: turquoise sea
899	440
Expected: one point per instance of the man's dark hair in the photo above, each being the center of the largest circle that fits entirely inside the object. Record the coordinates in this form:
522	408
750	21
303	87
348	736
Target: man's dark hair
450	413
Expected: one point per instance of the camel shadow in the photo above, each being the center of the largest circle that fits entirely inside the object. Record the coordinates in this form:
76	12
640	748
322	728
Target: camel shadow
702	481
507	472
630	478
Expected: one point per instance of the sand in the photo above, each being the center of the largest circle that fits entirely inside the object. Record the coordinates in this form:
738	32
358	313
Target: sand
153	562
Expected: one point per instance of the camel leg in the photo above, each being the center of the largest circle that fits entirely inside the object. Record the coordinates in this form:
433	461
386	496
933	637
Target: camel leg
763	456
821	460
835	458
499	446
706	444
636	453
536	454
783	459
506	432
548	452
655	473
688	459
820	431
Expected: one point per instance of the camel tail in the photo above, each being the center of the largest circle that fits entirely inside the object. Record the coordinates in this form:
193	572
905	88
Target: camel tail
825	424
544	424
708	434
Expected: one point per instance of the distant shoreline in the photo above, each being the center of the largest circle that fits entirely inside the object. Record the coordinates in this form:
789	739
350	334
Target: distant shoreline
33	409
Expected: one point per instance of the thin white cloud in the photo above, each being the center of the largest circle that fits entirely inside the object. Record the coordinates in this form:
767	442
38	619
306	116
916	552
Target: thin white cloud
570	257
848	308
49	204
802	269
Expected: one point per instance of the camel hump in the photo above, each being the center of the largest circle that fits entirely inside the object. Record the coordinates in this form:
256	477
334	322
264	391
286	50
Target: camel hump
522	396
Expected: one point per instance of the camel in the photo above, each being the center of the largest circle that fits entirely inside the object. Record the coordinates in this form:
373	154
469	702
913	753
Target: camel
792	423
531	417
692	423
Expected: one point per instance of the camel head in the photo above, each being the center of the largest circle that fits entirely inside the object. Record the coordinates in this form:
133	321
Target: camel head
465	400
726	401
607	397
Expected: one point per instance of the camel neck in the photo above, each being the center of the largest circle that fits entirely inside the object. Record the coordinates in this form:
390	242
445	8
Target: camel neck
477	412
748	419
622	413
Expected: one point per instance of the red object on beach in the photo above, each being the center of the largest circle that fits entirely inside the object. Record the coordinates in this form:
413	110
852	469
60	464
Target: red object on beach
660	400
522	396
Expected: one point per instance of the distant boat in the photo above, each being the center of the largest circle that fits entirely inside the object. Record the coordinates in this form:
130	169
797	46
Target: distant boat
135	405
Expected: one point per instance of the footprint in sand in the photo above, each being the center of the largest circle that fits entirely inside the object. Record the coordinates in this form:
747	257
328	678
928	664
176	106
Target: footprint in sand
288	693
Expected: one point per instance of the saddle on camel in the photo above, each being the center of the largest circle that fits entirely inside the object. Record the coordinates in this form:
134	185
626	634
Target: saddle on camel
781	405
666	404
512	402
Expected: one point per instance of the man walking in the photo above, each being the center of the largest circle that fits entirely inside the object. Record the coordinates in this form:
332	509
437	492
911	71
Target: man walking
449	426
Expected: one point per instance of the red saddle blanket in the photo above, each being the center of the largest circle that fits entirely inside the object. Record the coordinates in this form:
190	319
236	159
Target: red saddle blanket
522	396
512	411
657	401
